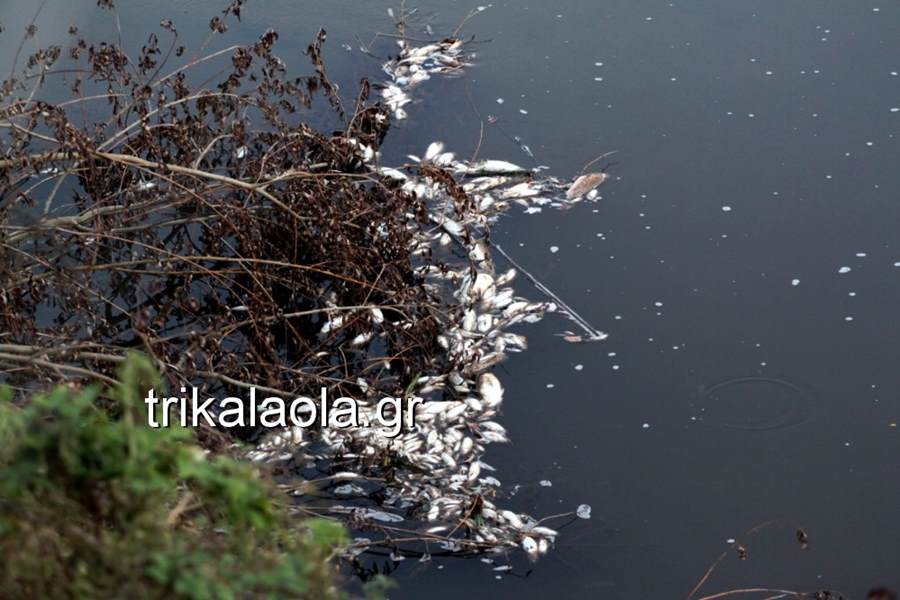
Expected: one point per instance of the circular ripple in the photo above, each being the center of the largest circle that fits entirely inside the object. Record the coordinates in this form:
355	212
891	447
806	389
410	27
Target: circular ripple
756	403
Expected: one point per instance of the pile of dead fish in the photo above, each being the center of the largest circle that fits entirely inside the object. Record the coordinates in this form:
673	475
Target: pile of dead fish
415	65
446	487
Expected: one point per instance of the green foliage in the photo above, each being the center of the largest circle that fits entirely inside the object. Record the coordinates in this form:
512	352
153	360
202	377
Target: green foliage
96	504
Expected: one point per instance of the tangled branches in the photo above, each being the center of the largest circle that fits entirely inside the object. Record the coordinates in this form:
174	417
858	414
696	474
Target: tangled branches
209	228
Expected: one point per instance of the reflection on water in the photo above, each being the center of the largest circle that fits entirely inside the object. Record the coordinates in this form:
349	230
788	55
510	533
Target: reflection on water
749	227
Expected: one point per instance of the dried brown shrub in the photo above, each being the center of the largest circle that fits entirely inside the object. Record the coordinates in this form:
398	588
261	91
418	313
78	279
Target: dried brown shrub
208	226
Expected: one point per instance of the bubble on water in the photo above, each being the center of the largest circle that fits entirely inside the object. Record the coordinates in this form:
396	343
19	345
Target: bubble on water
554	249
545	483
726	209
843	270
579	367
500	100
583	511
795	282
645	426
848	318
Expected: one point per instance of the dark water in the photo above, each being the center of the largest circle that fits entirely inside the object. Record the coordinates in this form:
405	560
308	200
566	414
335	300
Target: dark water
726	396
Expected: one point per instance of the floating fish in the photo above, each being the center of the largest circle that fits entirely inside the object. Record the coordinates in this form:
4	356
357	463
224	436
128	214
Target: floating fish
491	167
584	184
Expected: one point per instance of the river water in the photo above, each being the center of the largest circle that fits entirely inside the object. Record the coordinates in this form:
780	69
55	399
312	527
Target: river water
744	258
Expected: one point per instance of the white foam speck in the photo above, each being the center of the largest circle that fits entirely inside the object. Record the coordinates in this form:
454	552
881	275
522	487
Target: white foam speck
554	249
795	282
843	270
500	100
726	209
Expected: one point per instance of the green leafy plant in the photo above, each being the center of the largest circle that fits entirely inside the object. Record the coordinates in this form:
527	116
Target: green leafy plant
96	504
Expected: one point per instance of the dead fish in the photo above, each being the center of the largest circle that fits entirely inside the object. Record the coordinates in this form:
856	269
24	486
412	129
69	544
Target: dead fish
482	184
520	190
491	167
584	184
392	173
530	547
490	389
445	160
434	148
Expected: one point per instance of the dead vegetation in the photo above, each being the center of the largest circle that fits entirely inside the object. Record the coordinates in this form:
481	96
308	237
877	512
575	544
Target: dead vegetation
207	226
